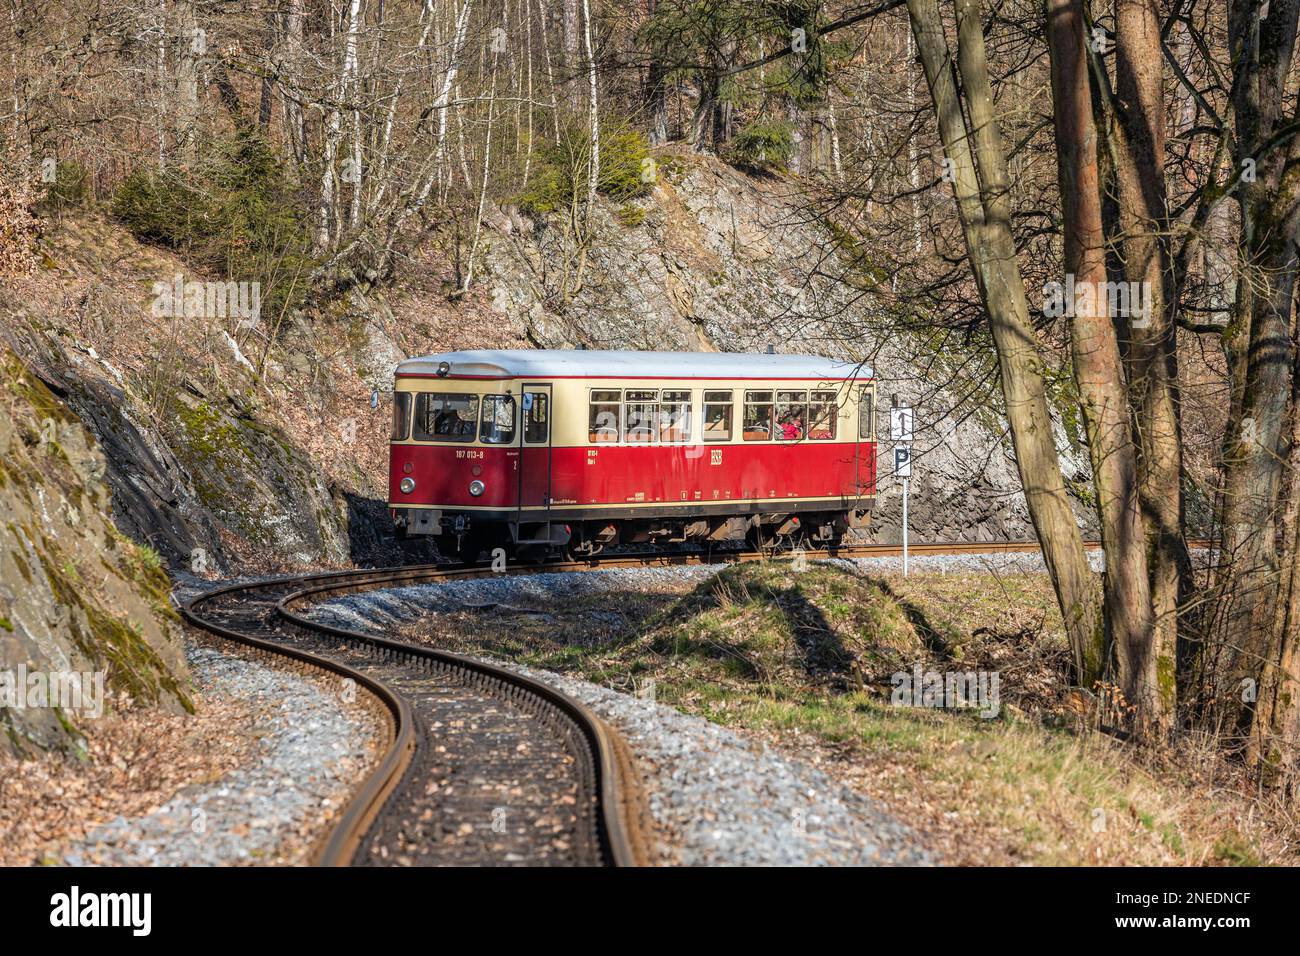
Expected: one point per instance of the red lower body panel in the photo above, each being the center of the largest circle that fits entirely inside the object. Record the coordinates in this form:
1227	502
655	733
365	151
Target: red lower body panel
631	475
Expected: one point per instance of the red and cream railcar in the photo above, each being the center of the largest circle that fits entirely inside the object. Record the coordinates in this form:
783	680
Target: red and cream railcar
578	450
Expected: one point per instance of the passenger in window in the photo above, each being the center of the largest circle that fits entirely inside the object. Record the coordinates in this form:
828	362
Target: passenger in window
792	427
821	423
758	416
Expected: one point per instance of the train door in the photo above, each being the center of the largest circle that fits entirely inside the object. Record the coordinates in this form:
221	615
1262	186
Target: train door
865	464
535	453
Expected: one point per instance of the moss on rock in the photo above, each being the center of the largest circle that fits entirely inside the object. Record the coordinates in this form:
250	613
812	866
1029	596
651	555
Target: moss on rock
75	594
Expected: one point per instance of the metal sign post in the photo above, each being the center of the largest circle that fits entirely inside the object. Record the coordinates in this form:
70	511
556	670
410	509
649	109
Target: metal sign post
900	430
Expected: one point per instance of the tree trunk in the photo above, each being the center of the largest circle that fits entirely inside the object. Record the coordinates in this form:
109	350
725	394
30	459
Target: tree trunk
191	46
656	90
292	63
571	23
991	247
441	104
1275	730
593	113
1147	670
701	124
1098	368
487	174
1251	567
329	218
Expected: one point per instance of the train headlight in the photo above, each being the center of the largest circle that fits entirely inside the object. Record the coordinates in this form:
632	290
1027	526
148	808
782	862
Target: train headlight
444	368
476	488
407	485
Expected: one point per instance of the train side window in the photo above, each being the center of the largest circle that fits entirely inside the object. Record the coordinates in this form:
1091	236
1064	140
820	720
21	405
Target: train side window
445	416
675	415
791	415
758	416
536	417
604	420
717	416
498	425
642	415
866	413
401	416
825	412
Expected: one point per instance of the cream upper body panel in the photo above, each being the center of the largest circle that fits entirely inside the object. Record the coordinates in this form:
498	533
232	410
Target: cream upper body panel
573	393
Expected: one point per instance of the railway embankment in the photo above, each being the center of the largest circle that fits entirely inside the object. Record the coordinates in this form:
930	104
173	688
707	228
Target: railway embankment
255	776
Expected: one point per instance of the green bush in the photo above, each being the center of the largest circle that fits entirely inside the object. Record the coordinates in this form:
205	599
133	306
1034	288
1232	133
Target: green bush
235	214
630	215
161	207
563	169
762	146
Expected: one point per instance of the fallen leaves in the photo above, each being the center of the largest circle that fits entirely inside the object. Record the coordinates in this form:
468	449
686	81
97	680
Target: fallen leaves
136	761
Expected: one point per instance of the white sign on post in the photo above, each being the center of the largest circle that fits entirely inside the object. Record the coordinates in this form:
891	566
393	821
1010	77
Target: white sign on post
901	421
900	424
902	461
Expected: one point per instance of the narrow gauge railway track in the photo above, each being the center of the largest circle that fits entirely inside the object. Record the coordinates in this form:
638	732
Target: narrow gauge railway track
479	764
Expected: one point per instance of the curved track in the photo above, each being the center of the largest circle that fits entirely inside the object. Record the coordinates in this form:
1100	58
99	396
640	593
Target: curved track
480	764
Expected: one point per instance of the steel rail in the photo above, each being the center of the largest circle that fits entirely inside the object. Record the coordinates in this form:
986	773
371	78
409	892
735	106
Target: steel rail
625	843
340	844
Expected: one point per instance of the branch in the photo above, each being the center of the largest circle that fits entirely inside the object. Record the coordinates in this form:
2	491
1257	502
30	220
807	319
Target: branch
829	28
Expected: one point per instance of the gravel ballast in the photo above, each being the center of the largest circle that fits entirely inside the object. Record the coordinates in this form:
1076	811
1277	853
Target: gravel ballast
311	749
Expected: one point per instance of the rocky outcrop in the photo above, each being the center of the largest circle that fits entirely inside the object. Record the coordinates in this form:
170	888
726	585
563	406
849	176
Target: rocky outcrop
86	622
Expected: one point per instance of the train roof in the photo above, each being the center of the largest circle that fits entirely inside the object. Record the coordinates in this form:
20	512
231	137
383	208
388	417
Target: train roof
591	363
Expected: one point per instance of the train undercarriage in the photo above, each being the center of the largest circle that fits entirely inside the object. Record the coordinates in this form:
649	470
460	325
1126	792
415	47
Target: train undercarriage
469	537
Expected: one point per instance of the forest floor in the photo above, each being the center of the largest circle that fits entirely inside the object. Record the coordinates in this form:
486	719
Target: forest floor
254	777
812	662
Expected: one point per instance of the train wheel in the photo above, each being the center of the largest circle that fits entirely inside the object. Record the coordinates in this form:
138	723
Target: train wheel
759	540
532	553
468	546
